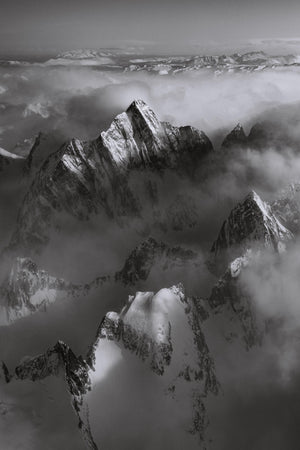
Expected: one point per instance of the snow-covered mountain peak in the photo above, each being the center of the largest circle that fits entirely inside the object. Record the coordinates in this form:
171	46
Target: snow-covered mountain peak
144	326
255	202
252	222
160	328
84	178
139	110
151	313
134	136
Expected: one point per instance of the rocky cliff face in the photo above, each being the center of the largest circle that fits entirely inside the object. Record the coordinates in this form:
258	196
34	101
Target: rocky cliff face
230	298
287	207
59	359
42	146
139	263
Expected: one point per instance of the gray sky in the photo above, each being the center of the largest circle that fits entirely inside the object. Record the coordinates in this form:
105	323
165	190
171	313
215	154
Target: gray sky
65	24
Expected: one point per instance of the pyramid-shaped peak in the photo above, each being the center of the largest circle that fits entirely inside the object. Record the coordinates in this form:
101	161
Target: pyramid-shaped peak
252	202
251	221
140	107
253	197
141	113
238	128
138	104
236	137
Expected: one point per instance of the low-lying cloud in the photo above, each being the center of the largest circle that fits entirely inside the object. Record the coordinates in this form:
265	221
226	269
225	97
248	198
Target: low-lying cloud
81	101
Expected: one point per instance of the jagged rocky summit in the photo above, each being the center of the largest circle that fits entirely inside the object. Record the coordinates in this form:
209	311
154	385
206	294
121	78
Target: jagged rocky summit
251	223
59	361
82	179
28	289
263	135
163	331
149	253
236	138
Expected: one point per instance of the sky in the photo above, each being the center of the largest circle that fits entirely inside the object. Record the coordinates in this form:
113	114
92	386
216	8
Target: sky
39	26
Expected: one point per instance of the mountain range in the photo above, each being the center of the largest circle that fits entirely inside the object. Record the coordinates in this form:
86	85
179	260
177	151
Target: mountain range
136	178
118	60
